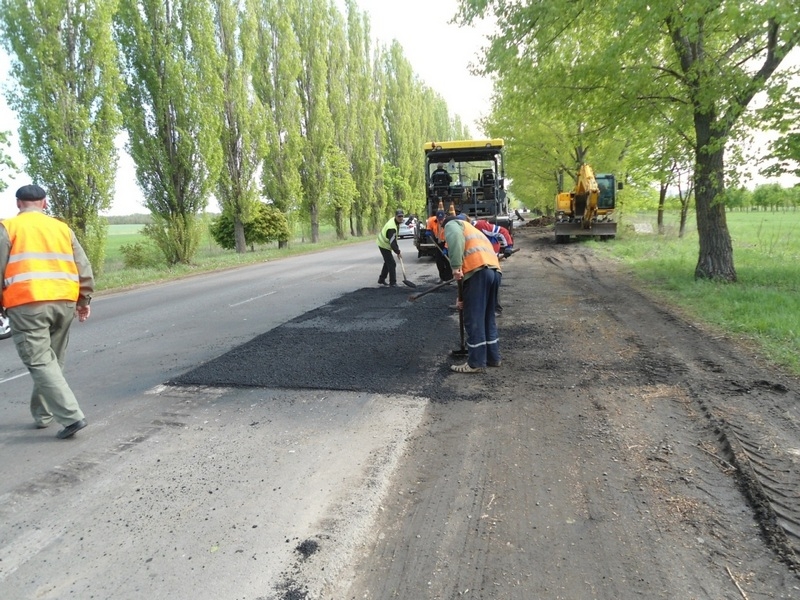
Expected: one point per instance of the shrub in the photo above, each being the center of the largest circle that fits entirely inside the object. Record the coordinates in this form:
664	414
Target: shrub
140	255
268	225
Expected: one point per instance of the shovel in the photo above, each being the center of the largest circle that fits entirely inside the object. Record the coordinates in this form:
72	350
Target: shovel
463	350
410	284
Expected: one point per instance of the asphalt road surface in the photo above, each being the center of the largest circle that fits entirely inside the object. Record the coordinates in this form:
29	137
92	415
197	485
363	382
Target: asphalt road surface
291	431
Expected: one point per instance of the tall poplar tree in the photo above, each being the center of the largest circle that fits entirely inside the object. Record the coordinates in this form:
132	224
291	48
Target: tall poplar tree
362	118
66	93
380	139
275	74
243	126
401	105
172	106
316	122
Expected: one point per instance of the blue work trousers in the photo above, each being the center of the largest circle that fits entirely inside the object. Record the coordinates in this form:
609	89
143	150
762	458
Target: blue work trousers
480	302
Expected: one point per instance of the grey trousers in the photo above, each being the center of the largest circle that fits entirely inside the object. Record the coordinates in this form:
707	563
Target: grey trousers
41	335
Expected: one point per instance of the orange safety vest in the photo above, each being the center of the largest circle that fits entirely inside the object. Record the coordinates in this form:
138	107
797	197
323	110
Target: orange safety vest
435	228
41	266
478	251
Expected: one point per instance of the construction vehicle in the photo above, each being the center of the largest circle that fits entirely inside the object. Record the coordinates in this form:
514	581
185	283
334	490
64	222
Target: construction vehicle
587	209
463	176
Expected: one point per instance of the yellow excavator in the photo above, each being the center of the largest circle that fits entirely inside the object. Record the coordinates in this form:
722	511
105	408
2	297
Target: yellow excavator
587	209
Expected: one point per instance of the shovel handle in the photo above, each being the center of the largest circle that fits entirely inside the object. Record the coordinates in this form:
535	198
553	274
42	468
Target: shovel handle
428	291
402	266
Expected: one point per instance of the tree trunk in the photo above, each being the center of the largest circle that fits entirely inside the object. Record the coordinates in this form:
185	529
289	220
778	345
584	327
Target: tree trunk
662	198
314	224
338	218
684	213
716	251
238	236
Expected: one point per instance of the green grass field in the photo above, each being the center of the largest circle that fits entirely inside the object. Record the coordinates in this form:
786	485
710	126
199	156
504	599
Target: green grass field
762	308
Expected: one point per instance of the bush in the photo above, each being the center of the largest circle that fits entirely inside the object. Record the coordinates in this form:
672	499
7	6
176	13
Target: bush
268	225
140	255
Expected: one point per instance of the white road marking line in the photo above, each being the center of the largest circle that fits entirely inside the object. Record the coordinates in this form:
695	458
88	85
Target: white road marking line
251	299
14	377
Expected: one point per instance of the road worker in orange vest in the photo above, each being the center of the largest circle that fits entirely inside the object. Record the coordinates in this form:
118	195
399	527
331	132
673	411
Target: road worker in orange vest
477	269
47	281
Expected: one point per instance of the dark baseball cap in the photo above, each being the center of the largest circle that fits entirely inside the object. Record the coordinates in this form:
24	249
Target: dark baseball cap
31	192
399	212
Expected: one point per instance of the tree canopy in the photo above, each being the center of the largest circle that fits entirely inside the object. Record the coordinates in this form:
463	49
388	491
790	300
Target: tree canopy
284	101
605	72
65	93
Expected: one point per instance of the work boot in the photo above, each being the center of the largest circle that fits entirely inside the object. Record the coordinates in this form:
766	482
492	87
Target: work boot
71	430
465	368
382	282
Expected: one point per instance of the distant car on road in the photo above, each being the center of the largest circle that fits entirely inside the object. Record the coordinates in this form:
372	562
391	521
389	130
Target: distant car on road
407	228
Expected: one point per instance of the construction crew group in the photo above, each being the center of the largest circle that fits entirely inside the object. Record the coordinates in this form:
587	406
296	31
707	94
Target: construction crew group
469	253
48	280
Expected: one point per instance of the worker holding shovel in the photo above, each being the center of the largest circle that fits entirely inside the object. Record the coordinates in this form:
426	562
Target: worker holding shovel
476	268
387	244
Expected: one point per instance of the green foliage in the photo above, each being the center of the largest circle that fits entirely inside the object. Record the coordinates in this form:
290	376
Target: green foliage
243	127
397	189
140	255
171	110
66	93
668	80
93	241
782	114
341	191
276	71
268	225
213	95
7	165
177	236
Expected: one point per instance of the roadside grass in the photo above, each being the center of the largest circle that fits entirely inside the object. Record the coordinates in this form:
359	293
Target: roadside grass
762	308
210	257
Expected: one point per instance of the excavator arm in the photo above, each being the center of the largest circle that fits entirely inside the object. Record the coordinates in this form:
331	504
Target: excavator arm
585	196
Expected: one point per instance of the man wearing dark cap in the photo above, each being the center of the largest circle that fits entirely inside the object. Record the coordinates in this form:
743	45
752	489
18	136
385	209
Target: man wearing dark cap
387	243
47	280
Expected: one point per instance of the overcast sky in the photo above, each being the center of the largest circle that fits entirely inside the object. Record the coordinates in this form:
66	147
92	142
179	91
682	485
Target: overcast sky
439	52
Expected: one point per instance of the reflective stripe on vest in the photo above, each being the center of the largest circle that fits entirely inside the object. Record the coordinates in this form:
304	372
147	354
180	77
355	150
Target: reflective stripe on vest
41	266
478	251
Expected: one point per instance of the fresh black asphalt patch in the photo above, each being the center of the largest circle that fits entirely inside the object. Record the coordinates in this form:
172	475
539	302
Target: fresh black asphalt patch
372	340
